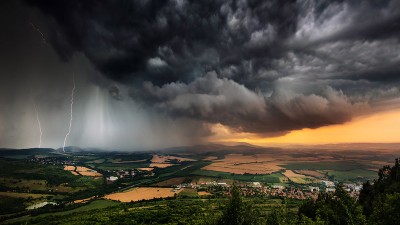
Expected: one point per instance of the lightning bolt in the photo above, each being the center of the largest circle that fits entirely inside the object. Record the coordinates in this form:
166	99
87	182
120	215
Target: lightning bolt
70	120
39	124
37	29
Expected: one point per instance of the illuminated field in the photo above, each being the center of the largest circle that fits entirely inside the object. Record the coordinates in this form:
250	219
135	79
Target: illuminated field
69	168
311	173
299	178
141	193
81	170
167	159
161	165
241	164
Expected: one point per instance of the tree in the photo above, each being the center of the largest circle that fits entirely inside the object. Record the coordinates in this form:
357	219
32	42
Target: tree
386	210
375	197
333	208
237	212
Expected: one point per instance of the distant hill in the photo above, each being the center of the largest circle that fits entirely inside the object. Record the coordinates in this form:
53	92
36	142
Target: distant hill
27	151
243	148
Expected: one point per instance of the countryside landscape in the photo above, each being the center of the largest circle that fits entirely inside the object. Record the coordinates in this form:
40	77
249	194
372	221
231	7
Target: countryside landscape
39	185
200	112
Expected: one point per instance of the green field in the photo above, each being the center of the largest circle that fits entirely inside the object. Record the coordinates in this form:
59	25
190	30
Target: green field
186	192
97	204
336	165
120	166
268	178
353	174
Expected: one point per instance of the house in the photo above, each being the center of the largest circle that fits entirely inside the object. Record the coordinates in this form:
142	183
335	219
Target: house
112	179
314	189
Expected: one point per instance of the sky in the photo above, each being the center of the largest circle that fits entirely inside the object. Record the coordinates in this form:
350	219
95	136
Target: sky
157	74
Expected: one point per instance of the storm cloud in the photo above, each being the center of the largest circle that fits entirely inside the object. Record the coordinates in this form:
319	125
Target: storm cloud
221	100
264	67
249	44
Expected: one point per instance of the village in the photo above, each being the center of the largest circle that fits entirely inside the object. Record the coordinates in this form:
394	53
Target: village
258	189
216	188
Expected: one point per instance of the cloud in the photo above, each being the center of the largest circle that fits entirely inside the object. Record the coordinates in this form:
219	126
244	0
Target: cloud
264	67
220	100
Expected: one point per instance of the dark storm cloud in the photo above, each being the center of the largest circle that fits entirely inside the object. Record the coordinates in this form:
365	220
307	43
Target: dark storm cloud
253	65
224	101
167	41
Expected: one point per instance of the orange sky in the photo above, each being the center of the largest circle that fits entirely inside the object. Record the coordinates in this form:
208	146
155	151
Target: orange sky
381	127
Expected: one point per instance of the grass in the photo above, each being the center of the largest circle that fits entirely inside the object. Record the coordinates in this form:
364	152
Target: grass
268	178
353	174
336	166
121	166
97	204
188	192
174	211
23	195
24	183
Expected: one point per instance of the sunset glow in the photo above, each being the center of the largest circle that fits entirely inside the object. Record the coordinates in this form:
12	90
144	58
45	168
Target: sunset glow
382	127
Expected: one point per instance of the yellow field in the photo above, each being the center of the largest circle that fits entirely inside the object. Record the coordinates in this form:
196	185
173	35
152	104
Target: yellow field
142	193
203	193
166	159
146	169
298	178
84	200
240	164
311	173
69	168
161	165
84	171
211	158
91	174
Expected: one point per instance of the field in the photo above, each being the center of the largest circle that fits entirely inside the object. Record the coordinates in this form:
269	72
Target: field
24	195
78	180
241	164
142	193
311	173
268	178
359	174
161	165
301	168
95	205
171	182
164	161
299	178
188	192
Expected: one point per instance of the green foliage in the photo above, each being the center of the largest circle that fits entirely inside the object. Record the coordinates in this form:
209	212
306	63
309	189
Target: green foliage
11	205
238	213
386	210
155	212
381	200
333	208
281	216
